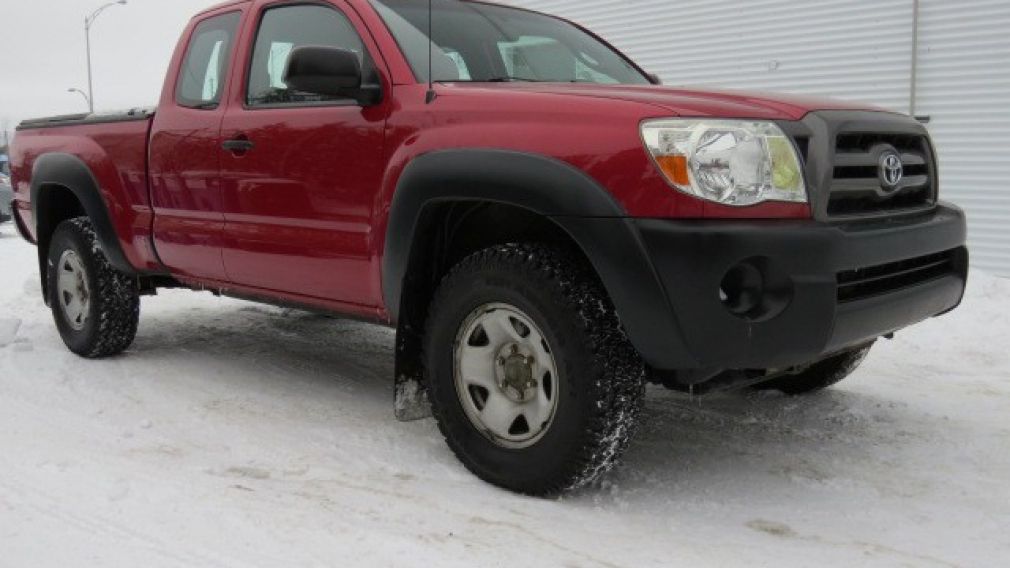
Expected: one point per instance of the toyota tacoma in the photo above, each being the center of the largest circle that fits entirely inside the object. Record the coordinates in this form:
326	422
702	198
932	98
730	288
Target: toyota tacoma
547	227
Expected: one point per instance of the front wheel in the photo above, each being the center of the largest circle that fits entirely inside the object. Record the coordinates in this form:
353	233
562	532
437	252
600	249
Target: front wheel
533	382
96	308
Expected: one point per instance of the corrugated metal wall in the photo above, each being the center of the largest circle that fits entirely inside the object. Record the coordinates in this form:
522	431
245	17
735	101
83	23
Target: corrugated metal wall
859	50
964	86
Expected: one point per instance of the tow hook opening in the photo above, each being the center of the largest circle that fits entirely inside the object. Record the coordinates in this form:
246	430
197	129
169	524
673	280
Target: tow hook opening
756	290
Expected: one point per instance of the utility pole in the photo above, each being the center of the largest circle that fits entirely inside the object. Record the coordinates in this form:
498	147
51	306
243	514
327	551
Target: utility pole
88	22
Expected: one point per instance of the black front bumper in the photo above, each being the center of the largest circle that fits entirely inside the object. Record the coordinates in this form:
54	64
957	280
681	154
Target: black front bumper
823	287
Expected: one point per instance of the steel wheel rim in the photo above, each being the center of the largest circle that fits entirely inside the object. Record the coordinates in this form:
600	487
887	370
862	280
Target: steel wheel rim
74	295
506	376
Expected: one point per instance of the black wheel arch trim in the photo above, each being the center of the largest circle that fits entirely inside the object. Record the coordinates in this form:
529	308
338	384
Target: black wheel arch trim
20	224
554	189
69	172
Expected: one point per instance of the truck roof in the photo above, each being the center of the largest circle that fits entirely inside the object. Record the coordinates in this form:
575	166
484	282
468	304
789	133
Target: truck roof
222	5
237	2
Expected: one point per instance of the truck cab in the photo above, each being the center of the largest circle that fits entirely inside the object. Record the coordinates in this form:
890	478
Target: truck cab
546	226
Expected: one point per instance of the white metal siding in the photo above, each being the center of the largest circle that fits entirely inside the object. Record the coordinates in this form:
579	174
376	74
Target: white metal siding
857	50
964	86
827	47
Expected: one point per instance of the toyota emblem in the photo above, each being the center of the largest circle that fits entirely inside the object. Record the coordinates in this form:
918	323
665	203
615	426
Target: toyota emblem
891	169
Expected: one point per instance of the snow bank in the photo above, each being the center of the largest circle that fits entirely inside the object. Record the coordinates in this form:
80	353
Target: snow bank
238	435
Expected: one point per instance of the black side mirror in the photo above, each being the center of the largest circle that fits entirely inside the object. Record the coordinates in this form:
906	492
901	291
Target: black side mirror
654	79
329	71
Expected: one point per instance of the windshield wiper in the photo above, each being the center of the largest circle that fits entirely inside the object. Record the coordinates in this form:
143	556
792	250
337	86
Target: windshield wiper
507	79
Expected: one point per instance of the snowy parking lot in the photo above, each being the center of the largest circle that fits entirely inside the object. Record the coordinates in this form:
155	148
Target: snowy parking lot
233	434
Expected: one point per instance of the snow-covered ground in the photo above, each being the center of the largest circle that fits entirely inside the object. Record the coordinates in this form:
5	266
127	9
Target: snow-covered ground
234	434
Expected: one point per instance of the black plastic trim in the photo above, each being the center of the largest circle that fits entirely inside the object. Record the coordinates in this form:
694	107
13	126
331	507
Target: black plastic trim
553	189
542	185
70	172
819	130
616	249
20	225
693	258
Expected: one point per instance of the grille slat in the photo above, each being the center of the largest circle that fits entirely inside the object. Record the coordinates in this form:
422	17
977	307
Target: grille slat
848	159
872	185
854	285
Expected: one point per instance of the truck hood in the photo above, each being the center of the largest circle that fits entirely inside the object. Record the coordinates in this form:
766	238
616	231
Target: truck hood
689	101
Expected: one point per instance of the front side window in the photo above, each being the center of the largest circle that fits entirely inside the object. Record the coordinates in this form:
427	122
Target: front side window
486	43
205	65
281	31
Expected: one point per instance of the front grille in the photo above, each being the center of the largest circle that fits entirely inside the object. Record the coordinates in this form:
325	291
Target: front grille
864	283
856	187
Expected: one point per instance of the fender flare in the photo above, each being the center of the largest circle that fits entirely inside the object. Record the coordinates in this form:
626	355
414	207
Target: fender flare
71	173
556	190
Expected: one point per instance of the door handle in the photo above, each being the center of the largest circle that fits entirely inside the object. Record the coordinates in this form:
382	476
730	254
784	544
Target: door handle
238	146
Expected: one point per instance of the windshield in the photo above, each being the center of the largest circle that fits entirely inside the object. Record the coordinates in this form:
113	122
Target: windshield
485	43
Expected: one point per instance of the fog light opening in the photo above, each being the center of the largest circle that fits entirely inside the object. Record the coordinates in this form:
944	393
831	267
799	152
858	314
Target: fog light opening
742	289
755	290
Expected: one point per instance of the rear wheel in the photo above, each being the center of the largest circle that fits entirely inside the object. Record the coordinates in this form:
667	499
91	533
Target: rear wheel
820	375
532	380
96	308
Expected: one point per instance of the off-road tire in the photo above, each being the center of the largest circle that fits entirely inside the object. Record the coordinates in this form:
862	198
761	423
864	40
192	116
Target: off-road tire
601	376
820	375
114	306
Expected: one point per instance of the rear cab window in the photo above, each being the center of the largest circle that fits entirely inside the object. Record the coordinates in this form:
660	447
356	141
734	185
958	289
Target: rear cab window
204	69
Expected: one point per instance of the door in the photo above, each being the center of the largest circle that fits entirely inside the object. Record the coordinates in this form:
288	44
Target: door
184	158
300	172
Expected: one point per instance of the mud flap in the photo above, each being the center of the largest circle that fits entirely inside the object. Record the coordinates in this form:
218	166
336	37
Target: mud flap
411	399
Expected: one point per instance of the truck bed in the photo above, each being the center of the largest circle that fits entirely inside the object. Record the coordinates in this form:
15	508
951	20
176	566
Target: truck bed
113	145
133	114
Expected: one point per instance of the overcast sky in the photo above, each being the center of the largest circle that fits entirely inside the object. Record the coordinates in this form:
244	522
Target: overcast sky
44	54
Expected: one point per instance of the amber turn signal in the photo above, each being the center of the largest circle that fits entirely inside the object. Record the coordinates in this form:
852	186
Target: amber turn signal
675	168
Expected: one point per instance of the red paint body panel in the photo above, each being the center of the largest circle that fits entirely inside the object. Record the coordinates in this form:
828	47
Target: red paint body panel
185	177
302	217
697	103
116	154
301	201
308	219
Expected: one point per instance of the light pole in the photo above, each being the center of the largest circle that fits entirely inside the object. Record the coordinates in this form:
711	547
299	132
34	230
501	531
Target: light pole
87	99
88	22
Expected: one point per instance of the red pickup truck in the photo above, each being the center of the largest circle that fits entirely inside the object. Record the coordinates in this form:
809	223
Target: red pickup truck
547	227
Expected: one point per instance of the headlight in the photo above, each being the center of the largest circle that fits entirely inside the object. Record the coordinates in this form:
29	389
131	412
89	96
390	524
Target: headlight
733	162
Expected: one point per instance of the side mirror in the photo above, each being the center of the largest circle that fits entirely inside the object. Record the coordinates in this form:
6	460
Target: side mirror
329	71
654	79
